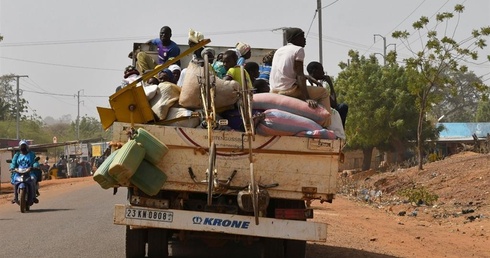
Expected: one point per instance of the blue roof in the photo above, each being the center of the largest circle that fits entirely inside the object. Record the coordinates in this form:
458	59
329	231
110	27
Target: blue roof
464	130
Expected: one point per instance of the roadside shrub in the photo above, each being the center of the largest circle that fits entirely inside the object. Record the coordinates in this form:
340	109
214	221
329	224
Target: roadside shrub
419	195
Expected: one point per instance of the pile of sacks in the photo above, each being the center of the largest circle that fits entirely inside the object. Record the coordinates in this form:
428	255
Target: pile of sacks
288	116
135	163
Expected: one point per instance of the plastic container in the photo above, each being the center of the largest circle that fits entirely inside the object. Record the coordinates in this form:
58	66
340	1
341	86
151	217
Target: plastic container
126	161
155	149
148	178
102	176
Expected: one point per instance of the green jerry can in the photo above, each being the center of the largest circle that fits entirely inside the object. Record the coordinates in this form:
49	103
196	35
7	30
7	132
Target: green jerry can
155	149
102	176
148	178
126	161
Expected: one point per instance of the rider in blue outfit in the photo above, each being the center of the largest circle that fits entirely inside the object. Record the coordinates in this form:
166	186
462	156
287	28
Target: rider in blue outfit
24	158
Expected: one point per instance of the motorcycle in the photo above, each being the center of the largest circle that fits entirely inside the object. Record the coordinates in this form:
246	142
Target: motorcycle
24	187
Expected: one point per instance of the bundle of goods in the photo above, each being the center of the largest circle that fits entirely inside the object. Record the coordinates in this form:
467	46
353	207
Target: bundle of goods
190	95
136	163
285	115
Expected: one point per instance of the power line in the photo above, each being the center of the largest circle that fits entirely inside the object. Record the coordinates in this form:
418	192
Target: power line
65	95
61	65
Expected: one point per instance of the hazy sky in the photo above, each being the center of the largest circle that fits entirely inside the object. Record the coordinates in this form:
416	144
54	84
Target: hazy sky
66	47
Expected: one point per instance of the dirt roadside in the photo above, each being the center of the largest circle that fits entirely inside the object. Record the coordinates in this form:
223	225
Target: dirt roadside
456	225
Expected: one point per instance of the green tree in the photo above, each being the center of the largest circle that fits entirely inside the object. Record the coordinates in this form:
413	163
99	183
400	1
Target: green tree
483	111
382	111
8	99
439	55
90	128
458	103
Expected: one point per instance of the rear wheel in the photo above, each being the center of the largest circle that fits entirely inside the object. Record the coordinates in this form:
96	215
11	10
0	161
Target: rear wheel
22	199
135	242
273	248
157	242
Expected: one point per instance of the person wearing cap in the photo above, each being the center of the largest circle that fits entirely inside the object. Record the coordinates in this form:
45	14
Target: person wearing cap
175	69
24	158
287	76
167	49
245	52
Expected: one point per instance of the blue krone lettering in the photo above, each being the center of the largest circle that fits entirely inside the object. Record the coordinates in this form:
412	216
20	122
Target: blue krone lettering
217	222
226	223
208	221
246	224
236	224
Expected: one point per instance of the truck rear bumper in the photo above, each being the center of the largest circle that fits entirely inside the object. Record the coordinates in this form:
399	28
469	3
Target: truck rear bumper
219	223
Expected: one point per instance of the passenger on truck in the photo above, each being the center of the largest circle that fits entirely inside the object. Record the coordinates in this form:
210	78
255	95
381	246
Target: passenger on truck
245	52
233	72
316	77
287	76
166	50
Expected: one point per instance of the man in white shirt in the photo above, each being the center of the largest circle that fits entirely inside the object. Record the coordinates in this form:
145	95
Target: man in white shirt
287	76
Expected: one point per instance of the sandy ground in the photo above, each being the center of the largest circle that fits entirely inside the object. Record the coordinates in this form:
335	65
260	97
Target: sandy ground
456	225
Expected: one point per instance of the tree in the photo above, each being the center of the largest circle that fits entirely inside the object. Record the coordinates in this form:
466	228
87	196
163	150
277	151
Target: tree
90	128
8	99
458	104
438	56
382	111
483	111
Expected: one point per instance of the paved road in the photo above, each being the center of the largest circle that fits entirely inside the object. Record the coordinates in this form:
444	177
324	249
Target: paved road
76	223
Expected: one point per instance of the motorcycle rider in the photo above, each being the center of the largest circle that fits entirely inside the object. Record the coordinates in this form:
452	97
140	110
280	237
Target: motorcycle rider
24	158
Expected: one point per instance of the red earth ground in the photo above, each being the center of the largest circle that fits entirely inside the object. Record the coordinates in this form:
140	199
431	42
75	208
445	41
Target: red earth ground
362	224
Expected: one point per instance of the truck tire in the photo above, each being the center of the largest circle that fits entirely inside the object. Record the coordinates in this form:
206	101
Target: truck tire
294	248
157	242
273	248
135	242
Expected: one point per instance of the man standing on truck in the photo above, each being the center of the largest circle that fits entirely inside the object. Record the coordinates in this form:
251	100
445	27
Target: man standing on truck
287	76
167	49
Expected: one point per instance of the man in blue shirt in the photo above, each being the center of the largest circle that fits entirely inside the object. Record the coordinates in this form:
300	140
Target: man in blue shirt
167	49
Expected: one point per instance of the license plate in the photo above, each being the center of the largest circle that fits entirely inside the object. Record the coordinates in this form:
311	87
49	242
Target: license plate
153	215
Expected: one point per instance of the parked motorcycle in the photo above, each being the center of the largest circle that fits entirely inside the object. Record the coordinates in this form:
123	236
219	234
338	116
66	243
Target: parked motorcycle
24	187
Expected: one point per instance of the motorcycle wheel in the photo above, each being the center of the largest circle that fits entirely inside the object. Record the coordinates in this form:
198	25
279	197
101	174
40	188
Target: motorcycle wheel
23	200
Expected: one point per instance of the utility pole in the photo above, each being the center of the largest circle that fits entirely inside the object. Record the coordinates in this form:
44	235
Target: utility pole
17	109
320	43
384	46
78	114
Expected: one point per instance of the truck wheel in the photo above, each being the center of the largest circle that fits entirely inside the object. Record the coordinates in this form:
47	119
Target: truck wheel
273	248
294	248
157	242
22	199
135	242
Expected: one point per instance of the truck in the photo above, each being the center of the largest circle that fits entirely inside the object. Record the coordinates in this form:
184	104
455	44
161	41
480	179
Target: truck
248	189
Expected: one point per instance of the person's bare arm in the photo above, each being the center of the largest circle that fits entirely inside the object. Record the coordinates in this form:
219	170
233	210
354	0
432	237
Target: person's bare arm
301	81
333	96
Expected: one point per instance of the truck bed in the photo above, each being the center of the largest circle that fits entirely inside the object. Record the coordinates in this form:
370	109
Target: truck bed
302	168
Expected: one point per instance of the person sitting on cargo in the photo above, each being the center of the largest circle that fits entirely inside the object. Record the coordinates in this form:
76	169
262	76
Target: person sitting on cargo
166	50
260	86
245	52
316	76
218	66
166	76
175	69
287	76
230	59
